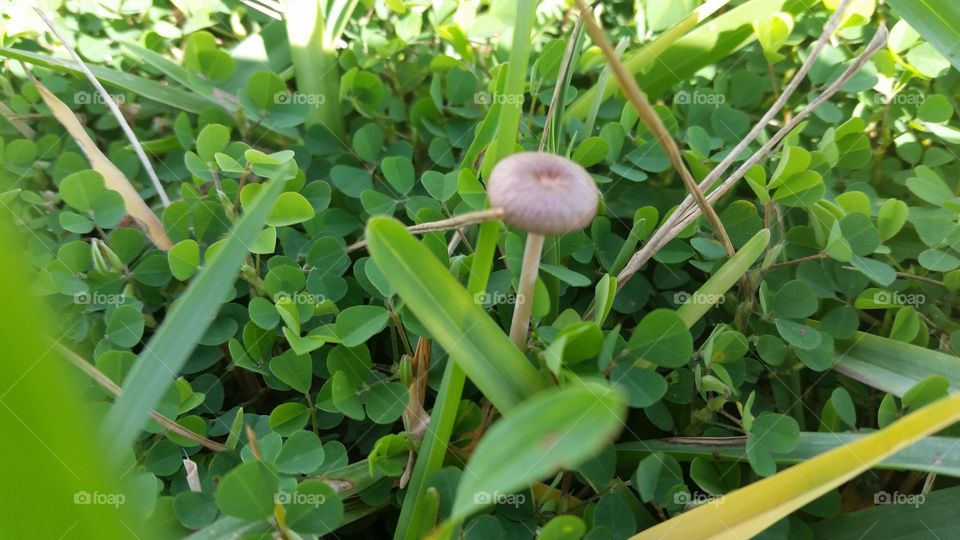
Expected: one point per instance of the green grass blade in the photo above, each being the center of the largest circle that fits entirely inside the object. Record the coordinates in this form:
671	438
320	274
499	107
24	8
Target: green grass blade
938	21
508	125
432	452
712	291
430	458
314	62
203	93
444	414
184	325
892	366
230	527
939	455
50	463
215	95
749	510
452	316
936	511
159	92
337	19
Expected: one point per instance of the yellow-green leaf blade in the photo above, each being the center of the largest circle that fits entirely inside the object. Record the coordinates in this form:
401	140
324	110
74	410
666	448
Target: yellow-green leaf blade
749	510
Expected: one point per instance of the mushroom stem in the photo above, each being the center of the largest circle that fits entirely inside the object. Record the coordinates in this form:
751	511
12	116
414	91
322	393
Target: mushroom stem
528	282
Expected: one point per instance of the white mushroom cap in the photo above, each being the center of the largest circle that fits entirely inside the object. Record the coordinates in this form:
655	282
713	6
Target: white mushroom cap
543	193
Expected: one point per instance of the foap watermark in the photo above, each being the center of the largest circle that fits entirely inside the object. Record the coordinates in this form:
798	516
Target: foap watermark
698	298
884	497
486	98
108	499
299	297
95	98
907	98
99	299
303	499
296	98
699	98
486	497
899	299
489	299
697	498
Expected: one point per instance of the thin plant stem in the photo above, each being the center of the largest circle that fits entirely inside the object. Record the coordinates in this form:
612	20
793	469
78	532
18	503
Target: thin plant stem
455	222
775	109
113	109
653	123
115	389
679	221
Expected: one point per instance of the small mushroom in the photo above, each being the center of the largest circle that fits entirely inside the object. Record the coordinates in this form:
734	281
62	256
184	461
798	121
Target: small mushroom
542	194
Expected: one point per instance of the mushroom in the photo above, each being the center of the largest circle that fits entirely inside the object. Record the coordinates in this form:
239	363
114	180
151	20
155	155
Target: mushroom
542	194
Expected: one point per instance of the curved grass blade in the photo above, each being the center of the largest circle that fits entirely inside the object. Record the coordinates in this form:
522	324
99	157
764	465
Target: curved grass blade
940	455
214	94
166	352
159	92
749	510
452	316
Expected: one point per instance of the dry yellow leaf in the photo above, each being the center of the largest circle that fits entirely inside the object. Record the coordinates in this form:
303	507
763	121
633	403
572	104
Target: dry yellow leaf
114	179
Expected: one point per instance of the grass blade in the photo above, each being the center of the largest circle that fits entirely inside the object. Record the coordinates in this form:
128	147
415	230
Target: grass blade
509	121
185	324
893	366
724	278
213	94
230	527
315	61
110	386
47	453
749	510
452	316
337	18
431	455
444	414
940	455
112	105
159	92
936	511
938	21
